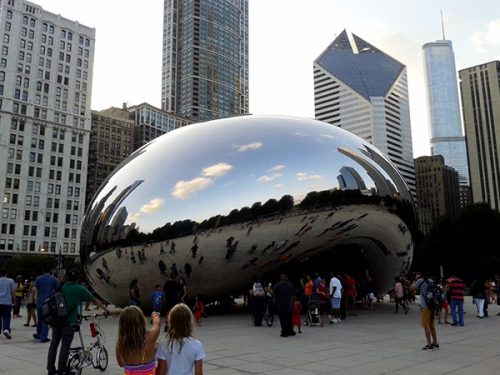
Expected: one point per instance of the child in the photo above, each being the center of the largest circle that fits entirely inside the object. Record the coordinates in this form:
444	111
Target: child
135	346
180	352
156	298
198	309
297	307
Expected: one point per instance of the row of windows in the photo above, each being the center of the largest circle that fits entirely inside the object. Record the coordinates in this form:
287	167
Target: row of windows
9	245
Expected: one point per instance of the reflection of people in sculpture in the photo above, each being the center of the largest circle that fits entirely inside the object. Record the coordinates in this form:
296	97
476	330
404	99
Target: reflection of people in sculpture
194	250
163	267
102	276
162	249
252	248
105	264
172	248
183	290
173	270
132	256
249	230
271	245
188	269
230	250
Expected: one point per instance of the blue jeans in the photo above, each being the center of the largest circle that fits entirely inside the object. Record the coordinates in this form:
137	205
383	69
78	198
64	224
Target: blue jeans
42	328
460	305
5	311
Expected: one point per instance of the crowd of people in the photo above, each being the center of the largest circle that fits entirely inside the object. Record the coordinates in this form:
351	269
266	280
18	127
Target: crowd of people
338	297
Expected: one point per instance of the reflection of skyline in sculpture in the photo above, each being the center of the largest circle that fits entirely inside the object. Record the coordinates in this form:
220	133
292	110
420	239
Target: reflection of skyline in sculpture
349	179
245	202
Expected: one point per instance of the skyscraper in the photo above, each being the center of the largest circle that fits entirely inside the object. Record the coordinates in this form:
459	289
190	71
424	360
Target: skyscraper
205	58
480	90
363	90
445	126
46	65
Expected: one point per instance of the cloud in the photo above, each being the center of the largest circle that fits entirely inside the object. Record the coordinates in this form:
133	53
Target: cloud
484	39
133	217
301	176
183	189
250	146
270	177
276	168
278	186
216	170
152	206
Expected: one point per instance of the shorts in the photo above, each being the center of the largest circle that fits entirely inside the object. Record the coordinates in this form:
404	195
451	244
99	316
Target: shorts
427	318
443	305
335	303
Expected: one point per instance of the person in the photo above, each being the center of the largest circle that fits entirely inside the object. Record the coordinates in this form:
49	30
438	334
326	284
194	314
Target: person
426	313
74	295
180	353
297	308
455	291
198	309
44	286
479	295
335	296
443	304
257	302
399	296
19	294
269	299
171	296
134	293
7	295
183	290
283	292
30	304
135	345
350	293
156	298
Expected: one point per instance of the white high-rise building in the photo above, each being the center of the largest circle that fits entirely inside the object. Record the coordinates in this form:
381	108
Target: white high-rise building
365	91
46	67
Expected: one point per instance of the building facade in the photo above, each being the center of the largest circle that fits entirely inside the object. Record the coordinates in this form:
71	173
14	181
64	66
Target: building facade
46	67
445	125
111	141
205	58
364	91
480	90
438	190
117	132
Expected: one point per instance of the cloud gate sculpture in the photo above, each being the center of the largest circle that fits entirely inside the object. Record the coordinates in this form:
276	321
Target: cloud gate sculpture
219	202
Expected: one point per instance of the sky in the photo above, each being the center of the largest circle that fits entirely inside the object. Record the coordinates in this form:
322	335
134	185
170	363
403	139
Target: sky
286	36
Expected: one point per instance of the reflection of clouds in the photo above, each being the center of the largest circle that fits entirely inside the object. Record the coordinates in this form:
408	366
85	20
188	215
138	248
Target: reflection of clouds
216	170
133	217
183	189
276	168
301	176
152	206
269	177
250	146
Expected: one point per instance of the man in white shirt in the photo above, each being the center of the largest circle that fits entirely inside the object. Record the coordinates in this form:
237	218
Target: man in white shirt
336	297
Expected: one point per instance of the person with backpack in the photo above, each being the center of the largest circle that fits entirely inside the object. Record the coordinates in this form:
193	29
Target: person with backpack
62	332
428	304
42	288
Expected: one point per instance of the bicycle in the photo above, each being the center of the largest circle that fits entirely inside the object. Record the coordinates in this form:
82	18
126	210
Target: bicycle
94	353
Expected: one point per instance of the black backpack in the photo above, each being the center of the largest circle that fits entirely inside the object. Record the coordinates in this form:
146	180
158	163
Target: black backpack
434	295
54	309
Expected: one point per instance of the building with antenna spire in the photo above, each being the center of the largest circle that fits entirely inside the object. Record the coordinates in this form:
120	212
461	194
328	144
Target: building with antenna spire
445	125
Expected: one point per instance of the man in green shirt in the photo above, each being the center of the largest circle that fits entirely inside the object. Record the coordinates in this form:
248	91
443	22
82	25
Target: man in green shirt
74	295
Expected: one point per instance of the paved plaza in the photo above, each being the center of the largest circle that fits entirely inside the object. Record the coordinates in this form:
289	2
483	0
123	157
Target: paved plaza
374	342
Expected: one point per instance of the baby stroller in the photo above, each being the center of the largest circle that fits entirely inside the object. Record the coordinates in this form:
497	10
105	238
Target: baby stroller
313	315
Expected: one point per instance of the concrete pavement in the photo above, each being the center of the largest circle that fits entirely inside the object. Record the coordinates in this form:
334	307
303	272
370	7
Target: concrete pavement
374	342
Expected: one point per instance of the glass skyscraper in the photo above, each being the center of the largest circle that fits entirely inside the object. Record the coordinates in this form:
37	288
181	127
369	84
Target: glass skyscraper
205	58
445	126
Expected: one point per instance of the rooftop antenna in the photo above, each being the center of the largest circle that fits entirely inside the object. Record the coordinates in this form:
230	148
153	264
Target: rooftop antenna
442	24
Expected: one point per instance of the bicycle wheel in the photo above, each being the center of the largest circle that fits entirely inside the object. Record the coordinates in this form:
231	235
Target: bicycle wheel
269	320
74	365
102	358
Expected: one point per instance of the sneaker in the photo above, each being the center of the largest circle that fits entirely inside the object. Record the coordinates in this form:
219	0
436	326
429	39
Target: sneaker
36	336
427	347
435	346
45	340
454	324
7	335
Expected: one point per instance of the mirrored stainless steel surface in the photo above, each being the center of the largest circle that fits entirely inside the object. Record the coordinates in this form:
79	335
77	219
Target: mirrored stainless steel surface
221	201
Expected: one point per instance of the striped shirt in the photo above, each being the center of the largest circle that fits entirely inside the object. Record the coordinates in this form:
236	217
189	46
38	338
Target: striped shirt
456	288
